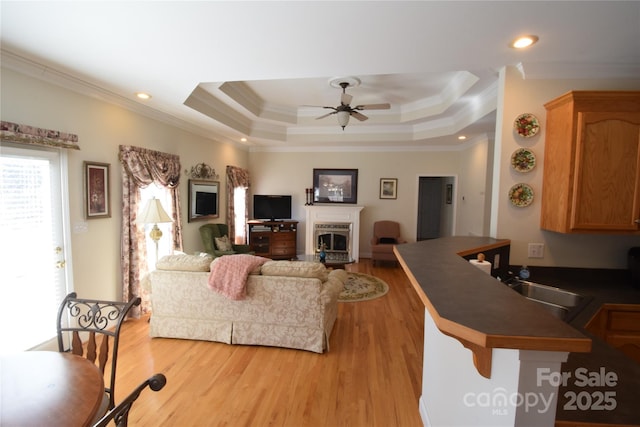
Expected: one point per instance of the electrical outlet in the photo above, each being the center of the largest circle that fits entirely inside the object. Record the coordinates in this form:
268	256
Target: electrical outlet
536	250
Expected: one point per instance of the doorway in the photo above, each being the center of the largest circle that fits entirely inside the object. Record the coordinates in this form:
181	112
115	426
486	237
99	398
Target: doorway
435	207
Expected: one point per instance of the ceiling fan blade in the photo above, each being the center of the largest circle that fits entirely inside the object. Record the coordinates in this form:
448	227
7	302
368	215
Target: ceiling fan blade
326	115
373	107
318	106
359	116
345	98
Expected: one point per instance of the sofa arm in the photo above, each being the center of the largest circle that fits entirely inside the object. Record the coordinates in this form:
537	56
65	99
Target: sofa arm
333	286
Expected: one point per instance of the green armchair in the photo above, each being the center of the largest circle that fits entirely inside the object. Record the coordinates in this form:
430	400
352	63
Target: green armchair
209	232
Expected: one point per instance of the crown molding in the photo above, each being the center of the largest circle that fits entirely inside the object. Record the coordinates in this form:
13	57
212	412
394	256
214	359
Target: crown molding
23	65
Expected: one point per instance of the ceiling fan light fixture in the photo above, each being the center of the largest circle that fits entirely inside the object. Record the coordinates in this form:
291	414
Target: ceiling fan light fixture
343	118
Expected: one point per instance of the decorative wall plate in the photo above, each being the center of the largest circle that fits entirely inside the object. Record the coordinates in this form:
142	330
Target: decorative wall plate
526	125
523	160
521	195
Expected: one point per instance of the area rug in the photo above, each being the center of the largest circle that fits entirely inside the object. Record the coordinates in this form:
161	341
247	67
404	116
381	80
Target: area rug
362	287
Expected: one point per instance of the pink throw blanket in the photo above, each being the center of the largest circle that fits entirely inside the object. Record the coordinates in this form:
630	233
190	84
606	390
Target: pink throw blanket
229	274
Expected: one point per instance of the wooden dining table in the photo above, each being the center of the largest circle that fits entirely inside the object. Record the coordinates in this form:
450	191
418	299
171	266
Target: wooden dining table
47	388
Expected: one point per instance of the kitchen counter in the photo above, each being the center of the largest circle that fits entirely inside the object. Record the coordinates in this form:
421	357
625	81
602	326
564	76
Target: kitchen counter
604	287
483	314
474	307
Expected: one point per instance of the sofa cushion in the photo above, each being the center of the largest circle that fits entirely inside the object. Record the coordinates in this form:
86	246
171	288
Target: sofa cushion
223	243
184	262
308	269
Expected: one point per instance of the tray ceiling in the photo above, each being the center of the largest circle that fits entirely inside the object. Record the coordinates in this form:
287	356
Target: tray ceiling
232	70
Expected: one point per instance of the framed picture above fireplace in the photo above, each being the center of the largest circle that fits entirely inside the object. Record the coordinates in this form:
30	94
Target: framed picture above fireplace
335	185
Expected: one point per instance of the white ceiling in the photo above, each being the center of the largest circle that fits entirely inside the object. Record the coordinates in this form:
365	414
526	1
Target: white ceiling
228	70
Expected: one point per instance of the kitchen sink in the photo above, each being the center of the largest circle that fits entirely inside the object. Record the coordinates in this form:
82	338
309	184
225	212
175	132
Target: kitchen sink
559	311
548	294
561	303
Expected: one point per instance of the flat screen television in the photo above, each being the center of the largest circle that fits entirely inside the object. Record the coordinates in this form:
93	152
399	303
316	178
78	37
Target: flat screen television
206	203
271	207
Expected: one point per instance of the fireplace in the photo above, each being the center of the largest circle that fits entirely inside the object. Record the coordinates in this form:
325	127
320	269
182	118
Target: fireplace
338	227
336	238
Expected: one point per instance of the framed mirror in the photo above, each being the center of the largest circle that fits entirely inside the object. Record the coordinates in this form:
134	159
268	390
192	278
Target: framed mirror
203	200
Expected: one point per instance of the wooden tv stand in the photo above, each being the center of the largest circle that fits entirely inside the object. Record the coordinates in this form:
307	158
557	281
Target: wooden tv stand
273	239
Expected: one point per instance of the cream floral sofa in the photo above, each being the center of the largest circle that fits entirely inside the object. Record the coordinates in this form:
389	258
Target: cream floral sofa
289	304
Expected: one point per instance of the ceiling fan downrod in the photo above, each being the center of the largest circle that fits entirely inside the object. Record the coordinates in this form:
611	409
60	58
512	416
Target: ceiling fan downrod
343	110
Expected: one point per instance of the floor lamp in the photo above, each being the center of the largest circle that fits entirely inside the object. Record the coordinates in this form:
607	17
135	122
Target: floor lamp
153	213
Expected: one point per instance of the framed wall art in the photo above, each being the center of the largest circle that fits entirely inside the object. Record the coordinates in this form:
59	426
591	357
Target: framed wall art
388	188
203	200
335	185
97	193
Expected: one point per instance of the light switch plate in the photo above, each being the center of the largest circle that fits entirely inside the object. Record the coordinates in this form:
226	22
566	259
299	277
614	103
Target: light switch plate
536	250
80	227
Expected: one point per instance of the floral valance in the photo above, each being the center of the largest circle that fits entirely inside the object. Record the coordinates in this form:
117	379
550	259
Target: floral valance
237	177
24	134
145	166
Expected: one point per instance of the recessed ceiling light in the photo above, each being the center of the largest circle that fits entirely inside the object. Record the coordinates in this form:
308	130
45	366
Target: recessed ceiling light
462	137
524	41
243	139
143	95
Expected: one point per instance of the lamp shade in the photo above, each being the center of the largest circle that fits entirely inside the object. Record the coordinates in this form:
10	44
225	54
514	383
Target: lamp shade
153	213
343	118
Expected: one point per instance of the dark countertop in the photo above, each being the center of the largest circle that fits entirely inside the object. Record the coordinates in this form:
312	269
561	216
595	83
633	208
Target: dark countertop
603	286
469	304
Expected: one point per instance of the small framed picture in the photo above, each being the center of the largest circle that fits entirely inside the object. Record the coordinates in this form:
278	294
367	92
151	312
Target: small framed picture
388	188
97	193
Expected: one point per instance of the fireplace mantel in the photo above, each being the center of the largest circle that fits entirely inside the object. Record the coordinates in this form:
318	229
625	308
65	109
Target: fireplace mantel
333	213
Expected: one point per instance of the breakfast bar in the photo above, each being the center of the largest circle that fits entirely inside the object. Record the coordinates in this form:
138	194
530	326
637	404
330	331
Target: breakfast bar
491	356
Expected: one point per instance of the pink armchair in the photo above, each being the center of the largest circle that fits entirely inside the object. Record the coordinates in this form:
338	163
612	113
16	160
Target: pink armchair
386	234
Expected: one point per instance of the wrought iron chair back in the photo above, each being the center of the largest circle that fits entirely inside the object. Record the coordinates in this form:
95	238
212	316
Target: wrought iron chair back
120	414
96	318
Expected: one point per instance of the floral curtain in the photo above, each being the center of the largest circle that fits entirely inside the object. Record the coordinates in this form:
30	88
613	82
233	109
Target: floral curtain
236	178
25	134
140	168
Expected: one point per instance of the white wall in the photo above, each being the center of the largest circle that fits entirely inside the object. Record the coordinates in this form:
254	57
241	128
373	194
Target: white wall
292	172
101	127
474	189
521	225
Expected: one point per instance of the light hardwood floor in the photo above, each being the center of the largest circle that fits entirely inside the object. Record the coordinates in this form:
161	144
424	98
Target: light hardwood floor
370	377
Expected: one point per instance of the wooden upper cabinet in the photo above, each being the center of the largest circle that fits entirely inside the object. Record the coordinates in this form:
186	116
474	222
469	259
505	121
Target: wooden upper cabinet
591	181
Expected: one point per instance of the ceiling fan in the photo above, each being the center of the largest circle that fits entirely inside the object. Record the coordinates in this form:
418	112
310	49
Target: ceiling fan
345	110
